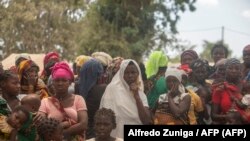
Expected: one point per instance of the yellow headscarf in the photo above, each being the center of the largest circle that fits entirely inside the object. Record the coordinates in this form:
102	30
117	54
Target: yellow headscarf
80	60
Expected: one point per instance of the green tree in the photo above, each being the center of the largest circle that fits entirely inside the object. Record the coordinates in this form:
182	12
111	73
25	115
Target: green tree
207	48
36	26
131	28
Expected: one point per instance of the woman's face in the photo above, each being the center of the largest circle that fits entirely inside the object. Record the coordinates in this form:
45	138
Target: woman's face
61	85
131	74
103	127
187	59
218	53
31	74
233	72
172	81
12	85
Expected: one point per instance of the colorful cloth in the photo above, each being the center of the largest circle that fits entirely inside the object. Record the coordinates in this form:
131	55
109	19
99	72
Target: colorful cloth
5	129
222	97
89	75
156	59
62	70
163	114
4	110
120	99
27	131
82	59
102	57
39	88
48	107
190	52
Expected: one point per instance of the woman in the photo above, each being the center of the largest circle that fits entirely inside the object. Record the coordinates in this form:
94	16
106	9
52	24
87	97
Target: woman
125	96
68	108
228	96
172	107
48	62
155	69
91	90
10	86
30	83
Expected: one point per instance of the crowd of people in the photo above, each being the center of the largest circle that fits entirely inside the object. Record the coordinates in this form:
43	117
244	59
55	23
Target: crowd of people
95	97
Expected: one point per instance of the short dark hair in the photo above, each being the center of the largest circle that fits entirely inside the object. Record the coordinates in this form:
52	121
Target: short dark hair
47	127
106	112
220	46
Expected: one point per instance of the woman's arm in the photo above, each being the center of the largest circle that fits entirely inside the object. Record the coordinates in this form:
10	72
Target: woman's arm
80	126
183	107
144	112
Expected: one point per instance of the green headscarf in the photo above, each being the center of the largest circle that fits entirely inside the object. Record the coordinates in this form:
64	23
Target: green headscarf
156	59
27	131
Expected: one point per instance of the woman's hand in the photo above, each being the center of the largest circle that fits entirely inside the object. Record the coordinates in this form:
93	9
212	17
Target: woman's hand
38	118
174	90
65	124
134	88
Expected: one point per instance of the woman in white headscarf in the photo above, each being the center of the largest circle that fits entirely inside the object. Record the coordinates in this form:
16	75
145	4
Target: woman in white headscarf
172	108
125	96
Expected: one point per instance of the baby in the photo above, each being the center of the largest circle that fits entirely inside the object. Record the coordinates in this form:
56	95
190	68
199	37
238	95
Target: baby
32	103
11	124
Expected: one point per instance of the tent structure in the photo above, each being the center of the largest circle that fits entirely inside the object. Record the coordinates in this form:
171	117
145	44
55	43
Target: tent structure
10	60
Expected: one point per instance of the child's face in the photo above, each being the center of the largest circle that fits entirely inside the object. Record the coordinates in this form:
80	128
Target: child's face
17	119
103	127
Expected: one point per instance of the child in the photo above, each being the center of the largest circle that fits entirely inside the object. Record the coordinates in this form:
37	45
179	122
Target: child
31	102
10	125
105	122
28	132
49	129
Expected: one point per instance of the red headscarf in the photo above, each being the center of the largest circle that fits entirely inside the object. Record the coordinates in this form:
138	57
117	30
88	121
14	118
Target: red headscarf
62	70
49	56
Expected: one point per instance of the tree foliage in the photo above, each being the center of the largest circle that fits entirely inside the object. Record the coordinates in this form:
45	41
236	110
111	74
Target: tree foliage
128	28
131	28
36	26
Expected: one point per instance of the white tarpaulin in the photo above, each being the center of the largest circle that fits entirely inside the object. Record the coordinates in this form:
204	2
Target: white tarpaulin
10	60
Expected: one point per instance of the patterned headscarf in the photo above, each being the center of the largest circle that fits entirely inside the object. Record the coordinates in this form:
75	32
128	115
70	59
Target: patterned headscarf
232	61
24	66
102	57
191	53
39	87
199	63
89	74
156	59
62	70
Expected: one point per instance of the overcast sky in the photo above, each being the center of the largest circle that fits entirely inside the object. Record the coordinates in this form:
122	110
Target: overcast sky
206	22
